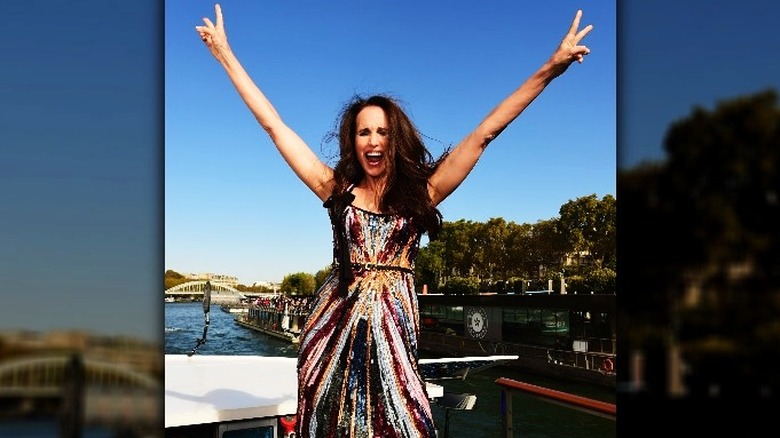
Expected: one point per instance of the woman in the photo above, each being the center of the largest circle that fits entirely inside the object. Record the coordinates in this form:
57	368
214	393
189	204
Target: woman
357	363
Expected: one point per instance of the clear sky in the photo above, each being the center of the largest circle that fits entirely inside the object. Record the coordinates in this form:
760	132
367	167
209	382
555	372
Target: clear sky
81	167
674	55
232	205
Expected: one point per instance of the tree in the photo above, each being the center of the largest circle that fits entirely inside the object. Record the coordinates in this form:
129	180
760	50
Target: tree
299	283
321	276
684	227
588	224
173	278
459	247
723	170
519	251
461	286
430	265
492	240
547	245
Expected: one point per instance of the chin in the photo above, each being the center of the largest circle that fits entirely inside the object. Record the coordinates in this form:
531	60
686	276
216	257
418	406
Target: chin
374	172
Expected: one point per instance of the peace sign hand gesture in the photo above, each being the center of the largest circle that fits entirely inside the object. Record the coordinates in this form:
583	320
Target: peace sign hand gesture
214	35
569	49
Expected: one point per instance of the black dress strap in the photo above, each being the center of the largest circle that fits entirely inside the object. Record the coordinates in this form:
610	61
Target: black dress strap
337	205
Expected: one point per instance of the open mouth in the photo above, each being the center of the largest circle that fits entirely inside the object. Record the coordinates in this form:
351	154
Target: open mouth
374	157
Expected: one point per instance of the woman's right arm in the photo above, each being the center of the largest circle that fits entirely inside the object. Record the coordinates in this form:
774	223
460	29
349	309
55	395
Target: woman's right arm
303	161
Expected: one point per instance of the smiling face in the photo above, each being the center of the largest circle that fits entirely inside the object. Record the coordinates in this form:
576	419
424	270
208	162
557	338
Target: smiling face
371	141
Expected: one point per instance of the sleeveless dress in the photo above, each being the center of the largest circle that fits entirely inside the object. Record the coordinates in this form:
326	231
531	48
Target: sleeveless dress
357	361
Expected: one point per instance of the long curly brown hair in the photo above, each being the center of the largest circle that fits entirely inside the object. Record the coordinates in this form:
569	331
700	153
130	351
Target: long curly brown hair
410	164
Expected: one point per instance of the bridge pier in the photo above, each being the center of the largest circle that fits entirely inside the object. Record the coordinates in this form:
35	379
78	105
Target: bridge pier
72	409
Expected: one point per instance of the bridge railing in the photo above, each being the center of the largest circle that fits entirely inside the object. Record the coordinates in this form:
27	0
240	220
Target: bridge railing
508	386
197	288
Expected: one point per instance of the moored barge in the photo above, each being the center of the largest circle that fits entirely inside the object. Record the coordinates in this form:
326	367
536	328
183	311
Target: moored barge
570	336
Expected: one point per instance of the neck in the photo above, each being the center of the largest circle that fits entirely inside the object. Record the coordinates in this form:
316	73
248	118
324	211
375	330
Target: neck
375	185
372	189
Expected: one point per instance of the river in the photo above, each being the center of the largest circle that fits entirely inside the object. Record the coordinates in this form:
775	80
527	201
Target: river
533	418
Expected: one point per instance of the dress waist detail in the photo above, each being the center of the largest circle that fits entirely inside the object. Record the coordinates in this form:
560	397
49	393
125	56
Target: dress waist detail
361	267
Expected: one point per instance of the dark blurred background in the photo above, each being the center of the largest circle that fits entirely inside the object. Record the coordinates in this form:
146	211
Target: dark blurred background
699	131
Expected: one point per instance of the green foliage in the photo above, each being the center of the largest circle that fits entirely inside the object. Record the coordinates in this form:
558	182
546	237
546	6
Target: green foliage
597	281
173	274
173	278
430	266
602	281
496	251
300	283
461	286
321	276
589	224
255	289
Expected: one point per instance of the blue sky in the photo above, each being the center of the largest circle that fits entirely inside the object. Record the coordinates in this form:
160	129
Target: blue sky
674	55
81	167
232	206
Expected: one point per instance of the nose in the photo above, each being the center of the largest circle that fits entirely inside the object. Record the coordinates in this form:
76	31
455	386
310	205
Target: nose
373	139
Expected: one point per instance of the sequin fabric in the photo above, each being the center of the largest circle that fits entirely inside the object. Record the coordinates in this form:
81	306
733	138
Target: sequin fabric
357	362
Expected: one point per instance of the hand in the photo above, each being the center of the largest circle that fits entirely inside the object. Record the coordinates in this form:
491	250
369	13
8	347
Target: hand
569	49
214	35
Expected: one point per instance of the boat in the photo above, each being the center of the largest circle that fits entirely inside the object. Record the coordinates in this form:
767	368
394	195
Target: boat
279	316
569	336
170	299
224	396
234	396
234	308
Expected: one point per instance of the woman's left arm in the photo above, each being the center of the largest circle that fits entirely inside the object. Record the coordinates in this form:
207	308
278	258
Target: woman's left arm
458	163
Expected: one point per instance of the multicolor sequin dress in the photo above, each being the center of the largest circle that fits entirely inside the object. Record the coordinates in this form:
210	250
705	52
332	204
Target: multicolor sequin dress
357	361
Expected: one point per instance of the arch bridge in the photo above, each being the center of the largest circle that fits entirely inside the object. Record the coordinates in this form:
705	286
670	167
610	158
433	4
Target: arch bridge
114	395
47	374
220	292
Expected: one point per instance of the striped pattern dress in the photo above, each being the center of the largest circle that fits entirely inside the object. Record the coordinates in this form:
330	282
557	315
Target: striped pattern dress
357	361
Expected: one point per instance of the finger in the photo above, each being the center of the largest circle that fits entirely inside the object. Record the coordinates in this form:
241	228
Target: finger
576	23
208	23
586	30
218	10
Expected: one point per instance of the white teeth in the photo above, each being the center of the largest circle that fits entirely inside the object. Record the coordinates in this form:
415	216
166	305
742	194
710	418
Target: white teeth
374	154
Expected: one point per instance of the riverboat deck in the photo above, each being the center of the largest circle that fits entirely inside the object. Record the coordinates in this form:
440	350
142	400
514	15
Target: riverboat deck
206	393
221	396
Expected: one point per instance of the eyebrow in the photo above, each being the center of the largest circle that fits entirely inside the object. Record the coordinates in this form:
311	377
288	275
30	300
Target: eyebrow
381	130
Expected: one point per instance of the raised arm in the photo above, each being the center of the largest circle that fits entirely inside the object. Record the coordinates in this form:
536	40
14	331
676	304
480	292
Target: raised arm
303	161
457	165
